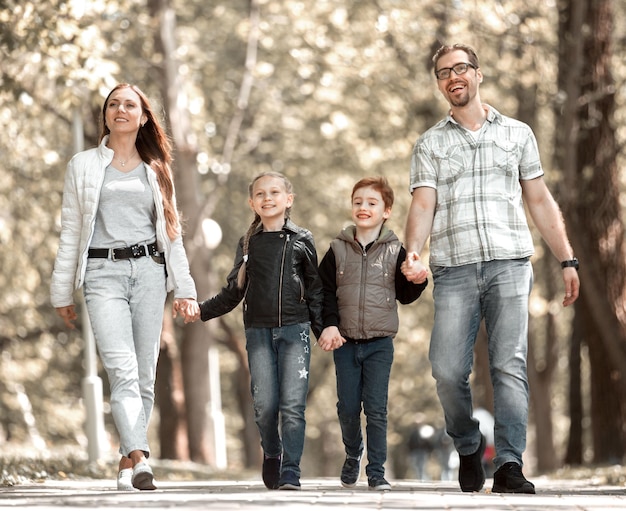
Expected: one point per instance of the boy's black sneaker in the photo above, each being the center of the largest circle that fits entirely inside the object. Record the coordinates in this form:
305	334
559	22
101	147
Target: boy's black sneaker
350	472
471	471
271	472
509	479
378	483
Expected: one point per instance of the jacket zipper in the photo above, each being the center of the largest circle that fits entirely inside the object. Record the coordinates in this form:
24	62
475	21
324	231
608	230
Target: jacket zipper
280	283
363	285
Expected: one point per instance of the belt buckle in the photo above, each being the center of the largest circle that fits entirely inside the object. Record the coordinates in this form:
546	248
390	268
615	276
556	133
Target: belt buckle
113	258
138	251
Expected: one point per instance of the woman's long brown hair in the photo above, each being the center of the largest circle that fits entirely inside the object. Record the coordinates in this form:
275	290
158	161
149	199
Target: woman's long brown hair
154	147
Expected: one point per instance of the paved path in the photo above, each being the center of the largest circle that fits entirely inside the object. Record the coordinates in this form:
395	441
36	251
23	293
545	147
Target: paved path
316	494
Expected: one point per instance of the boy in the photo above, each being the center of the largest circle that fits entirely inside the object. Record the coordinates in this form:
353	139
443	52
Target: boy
362	280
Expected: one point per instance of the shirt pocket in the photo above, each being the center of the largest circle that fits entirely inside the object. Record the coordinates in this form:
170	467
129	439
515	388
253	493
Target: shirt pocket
505	164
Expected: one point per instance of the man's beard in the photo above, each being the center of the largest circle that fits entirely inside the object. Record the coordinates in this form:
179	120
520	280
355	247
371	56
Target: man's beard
462	101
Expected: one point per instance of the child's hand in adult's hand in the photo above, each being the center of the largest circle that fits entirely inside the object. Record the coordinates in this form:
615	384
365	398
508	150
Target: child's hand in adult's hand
413	269
188	308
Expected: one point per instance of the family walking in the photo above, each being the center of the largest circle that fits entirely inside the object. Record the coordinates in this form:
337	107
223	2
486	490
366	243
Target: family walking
471	177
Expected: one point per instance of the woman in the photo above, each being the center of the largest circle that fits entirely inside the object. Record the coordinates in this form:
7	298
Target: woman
120	231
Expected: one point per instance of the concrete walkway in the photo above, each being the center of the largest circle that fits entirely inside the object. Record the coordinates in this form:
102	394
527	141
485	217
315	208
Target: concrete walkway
316	494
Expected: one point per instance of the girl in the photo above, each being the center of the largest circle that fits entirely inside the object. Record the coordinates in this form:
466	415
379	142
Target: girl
119	230
275	273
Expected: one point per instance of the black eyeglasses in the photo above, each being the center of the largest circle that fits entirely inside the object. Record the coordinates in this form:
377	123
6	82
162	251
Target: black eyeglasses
459	69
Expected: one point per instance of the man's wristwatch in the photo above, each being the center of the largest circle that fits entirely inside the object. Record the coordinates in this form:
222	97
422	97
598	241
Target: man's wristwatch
570	263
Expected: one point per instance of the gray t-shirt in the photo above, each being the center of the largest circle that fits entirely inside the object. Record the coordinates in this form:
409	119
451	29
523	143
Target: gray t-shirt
126	213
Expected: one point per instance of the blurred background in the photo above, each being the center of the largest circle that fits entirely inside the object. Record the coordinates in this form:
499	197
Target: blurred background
327	92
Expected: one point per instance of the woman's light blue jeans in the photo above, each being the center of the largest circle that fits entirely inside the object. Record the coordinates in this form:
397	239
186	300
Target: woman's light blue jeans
363	378
125	301
279	361
497	291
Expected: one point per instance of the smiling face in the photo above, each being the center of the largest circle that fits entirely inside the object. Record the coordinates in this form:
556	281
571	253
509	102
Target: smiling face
368	208
459	90
123	112
270	199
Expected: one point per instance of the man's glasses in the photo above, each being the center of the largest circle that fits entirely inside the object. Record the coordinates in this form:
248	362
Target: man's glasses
459	69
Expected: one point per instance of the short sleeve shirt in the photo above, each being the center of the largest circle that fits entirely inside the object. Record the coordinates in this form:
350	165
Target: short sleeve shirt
479	214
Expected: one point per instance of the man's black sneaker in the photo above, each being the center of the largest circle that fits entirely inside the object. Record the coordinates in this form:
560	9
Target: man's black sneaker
471	471
350	472
378	483
271	472
509	479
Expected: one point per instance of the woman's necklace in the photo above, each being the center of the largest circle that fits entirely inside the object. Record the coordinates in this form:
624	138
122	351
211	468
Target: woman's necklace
124	162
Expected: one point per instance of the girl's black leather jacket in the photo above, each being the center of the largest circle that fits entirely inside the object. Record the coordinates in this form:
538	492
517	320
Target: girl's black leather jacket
282	285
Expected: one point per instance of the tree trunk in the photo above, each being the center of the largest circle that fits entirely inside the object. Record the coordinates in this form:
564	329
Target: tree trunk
542	361
574	452
592	208
169	396
197	336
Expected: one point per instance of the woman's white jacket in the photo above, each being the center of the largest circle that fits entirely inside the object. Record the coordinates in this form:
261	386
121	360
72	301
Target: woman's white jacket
81	193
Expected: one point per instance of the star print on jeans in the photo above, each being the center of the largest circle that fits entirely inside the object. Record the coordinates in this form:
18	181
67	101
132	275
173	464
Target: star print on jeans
301	359
303	373
304	336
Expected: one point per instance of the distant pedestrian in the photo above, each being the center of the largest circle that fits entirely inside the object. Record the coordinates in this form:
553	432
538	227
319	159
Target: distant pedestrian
427	442
362	282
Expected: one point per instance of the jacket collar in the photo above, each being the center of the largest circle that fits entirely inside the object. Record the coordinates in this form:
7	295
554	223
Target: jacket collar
104	151
288	226
349	234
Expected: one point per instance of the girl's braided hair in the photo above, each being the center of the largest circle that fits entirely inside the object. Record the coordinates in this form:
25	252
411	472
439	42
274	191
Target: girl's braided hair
241	275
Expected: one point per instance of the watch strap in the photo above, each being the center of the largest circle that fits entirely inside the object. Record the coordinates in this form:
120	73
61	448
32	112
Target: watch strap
570	263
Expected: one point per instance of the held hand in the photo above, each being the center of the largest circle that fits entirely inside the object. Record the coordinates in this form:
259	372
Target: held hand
188	308
68	314
413	269
572	286
326	338
330	339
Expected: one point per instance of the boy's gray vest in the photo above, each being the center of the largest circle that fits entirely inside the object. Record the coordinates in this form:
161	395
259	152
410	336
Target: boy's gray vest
366	289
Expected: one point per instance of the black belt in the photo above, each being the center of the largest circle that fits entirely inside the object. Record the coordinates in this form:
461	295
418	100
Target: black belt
126	253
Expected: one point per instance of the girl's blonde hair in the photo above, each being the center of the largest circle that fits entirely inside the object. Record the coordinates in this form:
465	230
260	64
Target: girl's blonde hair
241	275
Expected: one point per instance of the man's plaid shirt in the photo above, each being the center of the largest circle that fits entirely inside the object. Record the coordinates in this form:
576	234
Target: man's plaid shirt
479	215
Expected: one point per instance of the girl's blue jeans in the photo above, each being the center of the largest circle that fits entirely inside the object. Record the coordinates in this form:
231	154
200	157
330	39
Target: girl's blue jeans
279	361
497	291
363	379
125	301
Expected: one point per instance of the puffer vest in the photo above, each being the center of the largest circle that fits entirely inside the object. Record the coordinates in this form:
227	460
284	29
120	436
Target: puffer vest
366	290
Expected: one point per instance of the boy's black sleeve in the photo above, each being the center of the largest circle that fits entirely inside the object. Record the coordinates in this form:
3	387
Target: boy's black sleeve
406	292
313	284
328	274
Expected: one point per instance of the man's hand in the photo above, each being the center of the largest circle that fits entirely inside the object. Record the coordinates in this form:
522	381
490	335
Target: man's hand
572	286
413	269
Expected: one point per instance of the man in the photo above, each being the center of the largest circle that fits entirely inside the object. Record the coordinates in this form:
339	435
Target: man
470	176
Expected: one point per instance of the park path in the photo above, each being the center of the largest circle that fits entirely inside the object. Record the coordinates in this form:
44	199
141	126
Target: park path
316	495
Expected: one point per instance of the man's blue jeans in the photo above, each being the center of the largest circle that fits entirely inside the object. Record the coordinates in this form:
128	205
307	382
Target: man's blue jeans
279	381
363	377
497	291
